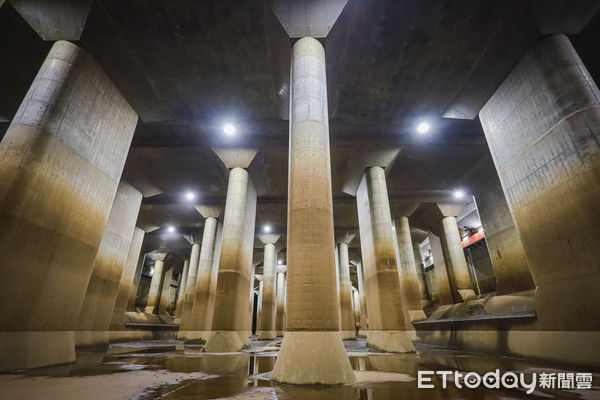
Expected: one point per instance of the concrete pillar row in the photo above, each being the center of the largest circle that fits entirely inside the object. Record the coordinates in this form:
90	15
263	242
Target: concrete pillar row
409	279
117	326
312	351
99	302
230	331
181	295
347	311
389	323
280	316
543	129
423	290
267	328
456	263
155	287
60	165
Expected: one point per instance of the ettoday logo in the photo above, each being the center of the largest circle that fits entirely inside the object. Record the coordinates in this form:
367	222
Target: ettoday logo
508	380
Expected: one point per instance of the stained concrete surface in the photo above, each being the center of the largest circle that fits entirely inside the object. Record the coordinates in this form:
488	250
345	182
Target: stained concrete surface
155	370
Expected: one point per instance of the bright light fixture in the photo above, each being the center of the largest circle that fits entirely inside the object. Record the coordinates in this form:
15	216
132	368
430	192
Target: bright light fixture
229	129
190	195
423	127
459	194
267	228
171	229
280	262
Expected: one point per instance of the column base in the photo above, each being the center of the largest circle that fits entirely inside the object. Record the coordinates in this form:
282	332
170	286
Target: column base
312	358
280	333
266	335
149	309
197	337
391	341
348	335
416	315
23	350
362	333
227	341
467	294
88	340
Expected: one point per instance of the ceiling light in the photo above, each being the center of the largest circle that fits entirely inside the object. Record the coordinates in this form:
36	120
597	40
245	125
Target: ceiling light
280	262
459	194
267	228
229	129
190	195
423	127
170	229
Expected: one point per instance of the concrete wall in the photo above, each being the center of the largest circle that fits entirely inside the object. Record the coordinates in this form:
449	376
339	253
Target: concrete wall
60	163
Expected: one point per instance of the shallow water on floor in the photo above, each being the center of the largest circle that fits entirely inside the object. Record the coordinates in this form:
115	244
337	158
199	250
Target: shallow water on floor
164	372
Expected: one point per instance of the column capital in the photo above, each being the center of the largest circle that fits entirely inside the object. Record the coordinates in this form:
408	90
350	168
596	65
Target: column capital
268	238
235	157
345	237
209	211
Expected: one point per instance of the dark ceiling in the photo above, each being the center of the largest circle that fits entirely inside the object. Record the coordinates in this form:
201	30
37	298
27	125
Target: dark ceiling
189	66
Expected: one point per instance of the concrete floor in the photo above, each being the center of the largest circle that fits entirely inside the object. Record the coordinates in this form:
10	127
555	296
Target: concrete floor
163	370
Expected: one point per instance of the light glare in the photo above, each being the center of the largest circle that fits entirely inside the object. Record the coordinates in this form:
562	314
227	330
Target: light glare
267	228
459	194
190	195
229	129
171	229
423	127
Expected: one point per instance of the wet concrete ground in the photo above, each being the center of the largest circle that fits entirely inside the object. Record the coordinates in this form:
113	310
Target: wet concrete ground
164	370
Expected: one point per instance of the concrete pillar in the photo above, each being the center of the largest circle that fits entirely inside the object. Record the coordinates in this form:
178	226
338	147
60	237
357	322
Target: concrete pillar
167	293
440	272
456	263
181	294
389	323
543	129
348	322
424	293
60	164
101	294
280	317
117	326
408	271
312	351
267	328
259	304
356	305
136	279
229	326
190	289
197	331
507	255
364	323
155	287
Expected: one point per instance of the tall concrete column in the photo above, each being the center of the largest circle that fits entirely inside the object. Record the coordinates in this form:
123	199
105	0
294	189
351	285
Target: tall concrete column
364	322
280	316
389	323
136	279
507	255
456	263
347	314
267	328
424	293
190	288
181	295
440	273
101	294
197	331
117	326
408	276
60	164
259	304
356	305
167	293
229	326
312	351
543	129
155	286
